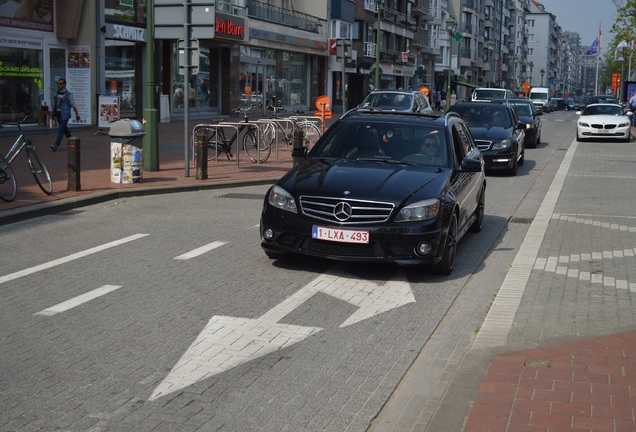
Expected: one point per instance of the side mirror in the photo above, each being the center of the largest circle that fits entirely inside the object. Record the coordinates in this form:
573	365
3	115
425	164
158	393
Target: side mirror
299	152
471	165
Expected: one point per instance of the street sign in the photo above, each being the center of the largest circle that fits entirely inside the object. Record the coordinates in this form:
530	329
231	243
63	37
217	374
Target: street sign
193	59
173	19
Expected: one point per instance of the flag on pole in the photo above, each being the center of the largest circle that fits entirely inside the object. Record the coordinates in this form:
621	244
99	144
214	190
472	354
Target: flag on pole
593	48
618	53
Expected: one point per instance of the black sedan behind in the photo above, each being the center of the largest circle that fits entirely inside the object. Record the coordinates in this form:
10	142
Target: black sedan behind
498	133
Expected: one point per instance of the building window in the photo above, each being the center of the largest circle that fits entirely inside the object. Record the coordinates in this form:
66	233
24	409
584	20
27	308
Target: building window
22	81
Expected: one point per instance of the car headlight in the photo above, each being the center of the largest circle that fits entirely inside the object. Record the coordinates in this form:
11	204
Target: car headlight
584	124
503	144
280	198
419	211
624	124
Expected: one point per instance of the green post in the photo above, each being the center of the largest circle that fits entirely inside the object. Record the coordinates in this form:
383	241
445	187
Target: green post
149	142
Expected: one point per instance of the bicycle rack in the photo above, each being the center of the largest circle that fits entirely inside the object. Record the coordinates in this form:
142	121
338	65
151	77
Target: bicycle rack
284	123
236	126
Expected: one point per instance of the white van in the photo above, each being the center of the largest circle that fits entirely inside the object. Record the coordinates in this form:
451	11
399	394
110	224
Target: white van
486	94
540	97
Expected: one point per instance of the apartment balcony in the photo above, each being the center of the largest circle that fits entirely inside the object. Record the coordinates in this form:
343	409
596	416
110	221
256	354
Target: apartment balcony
469	5
388	56
421	39
230	7
422	7
286	17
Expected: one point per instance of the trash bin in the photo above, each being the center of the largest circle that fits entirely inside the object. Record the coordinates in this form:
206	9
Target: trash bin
126	153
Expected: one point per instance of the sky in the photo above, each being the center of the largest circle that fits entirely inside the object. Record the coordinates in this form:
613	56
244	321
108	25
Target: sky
582	16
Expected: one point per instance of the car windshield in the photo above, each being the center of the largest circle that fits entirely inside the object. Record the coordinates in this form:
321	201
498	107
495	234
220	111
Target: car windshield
388	101
385	142
483	115
480	94
604	99
522	109
614	110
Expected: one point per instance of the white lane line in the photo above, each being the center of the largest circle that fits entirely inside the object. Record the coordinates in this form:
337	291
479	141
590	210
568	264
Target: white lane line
200	251
498	322
69	258
76	301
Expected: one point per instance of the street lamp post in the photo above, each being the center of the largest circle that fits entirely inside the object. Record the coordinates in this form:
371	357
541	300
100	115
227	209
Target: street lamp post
378	5
542	72
514	71
531	66
490	45
450	26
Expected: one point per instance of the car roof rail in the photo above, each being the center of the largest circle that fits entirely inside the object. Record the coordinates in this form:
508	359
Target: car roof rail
450	114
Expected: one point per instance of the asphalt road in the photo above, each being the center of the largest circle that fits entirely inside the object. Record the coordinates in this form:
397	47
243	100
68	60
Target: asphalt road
162	313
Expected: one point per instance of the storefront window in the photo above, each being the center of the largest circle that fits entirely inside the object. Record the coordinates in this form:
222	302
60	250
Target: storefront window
126	11
120	74
21	81
203	88
294	77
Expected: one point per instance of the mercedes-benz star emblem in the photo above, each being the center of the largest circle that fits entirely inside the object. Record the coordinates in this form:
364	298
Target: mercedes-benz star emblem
342	211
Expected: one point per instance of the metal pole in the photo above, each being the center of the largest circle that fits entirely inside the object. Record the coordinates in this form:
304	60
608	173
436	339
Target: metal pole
150	139
186	89
450	60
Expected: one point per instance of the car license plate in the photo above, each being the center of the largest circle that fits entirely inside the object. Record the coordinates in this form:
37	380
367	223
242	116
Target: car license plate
603	131
340	235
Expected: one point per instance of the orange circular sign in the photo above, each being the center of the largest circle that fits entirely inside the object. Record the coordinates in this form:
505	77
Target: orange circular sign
425	90
323	103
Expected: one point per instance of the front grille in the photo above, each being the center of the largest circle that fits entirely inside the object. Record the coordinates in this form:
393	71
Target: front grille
362	212
287	239
342	249
601	126
483	145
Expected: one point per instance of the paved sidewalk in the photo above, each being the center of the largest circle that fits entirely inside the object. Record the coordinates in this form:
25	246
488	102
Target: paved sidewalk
583	384
95	179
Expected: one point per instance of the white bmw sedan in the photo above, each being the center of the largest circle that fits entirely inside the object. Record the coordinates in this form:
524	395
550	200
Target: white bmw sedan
603	121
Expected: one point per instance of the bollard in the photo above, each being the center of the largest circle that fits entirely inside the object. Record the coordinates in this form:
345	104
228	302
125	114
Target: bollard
202	158
73	167
298	143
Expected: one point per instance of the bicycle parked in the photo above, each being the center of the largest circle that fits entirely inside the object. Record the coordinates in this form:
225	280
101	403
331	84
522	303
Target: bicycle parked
253	142
310	131
8	183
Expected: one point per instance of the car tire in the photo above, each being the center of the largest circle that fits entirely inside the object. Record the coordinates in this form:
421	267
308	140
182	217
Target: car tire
578	138
522	157
513	171
538	141
446	265
478	223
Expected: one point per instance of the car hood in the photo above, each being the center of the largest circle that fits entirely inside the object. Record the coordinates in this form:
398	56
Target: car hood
526	119
604	119
489	132
364	180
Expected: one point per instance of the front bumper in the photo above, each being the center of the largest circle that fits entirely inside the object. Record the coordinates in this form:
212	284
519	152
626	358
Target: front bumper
395	243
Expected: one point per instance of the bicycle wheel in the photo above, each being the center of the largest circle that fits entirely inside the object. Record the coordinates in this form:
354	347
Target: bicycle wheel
268	134
256	148
311	133
217	143
8	184
39	171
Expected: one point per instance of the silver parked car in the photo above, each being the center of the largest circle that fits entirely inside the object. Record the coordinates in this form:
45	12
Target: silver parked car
398	100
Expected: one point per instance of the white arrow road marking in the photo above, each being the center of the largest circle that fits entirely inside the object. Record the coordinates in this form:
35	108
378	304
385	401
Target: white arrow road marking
200	251
68	258
227	342
76	301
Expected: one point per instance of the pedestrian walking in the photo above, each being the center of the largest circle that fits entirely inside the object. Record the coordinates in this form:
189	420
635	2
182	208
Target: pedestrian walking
453	97
442	97
632	107
63	103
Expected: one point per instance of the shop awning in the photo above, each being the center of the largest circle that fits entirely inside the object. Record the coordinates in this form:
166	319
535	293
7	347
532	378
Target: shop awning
465	84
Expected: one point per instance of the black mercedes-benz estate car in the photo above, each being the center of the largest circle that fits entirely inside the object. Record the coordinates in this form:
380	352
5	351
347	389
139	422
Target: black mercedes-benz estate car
498	133
380	186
